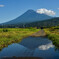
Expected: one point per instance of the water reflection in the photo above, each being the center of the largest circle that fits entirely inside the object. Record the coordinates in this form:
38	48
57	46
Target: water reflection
34	42
46	47
31	47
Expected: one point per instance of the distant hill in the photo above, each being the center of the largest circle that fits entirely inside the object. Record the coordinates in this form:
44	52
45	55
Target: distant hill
44	23
29	16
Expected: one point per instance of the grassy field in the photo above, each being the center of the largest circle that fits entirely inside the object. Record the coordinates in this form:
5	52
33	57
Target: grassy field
13	35
53	34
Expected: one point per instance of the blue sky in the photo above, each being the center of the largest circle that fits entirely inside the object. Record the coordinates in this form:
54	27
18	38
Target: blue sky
10	9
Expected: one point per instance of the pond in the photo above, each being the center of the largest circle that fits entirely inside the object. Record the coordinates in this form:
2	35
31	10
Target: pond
31	47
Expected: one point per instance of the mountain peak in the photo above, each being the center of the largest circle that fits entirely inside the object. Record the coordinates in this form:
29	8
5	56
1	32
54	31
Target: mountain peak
30	10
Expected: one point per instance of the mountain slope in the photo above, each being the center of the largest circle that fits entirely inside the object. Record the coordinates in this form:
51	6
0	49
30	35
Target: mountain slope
45	23
29	16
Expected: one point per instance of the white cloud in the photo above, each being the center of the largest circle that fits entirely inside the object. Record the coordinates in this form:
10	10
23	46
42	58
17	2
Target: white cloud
1	5
45	11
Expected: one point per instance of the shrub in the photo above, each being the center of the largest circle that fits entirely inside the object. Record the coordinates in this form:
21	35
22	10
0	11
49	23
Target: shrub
5	30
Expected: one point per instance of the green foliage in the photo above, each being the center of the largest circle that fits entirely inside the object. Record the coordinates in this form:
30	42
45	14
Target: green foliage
53	34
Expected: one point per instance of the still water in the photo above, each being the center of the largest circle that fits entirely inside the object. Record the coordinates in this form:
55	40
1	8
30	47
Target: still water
31	47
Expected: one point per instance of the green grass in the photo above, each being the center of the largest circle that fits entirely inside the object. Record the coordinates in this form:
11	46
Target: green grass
53	34
14	35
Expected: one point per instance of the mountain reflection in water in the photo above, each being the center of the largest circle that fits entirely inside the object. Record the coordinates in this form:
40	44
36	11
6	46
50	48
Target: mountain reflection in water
31	47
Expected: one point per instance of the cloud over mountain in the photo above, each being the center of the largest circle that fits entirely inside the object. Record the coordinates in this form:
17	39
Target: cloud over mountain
45	11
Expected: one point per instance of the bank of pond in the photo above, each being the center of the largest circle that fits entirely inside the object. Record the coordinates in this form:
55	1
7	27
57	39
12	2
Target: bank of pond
13	35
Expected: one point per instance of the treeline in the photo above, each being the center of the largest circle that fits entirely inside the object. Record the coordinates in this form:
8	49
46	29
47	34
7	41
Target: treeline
45	23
